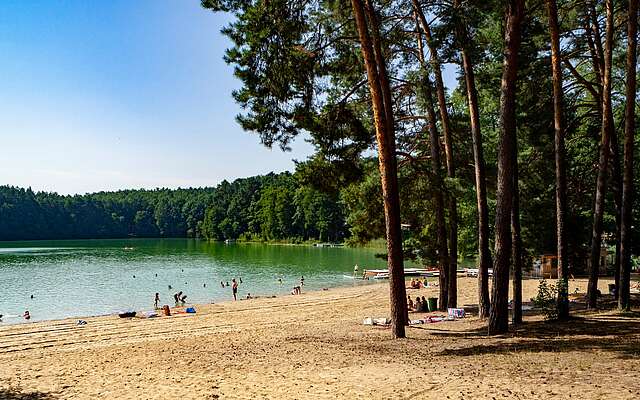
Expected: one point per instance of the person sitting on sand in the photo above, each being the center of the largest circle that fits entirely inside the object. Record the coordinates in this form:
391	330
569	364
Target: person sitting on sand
409	303
26	315
425	305
418	304
234	288
156	300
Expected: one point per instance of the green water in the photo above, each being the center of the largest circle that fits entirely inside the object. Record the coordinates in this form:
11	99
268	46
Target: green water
95	277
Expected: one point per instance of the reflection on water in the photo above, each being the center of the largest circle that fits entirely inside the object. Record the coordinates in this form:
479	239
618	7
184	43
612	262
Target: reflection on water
93	277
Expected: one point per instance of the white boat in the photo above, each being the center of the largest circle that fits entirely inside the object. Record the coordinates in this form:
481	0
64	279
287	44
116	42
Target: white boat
384	273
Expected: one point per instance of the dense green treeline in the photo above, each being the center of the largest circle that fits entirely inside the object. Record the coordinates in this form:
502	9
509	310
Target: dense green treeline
273	207
270	207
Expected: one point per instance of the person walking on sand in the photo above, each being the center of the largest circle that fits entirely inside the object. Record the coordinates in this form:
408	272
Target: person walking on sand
156	301
234	288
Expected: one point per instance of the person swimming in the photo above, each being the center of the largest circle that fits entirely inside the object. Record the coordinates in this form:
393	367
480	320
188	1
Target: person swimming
222	284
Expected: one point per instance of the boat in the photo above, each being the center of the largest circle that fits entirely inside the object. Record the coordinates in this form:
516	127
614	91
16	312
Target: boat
384	273
328	245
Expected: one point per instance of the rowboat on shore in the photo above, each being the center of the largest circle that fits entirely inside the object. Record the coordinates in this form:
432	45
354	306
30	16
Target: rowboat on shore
384	273
431	272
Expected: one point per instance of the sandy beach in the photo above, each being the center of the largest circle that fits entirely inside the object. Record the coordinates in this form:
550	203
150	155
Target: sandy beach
314	346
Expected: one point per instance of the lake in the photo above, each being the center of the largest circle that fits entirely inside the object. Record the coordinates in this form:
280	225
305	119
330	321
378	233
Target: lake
94	277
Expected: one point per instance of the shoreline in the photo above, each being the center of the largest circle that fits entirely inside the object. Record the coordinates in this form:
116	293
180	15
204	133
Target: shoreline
316	346
6	324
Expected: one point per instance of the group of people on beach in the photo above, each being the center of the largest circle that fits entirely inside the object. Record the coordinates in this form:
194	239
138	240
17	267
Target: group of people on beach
420	305
418	284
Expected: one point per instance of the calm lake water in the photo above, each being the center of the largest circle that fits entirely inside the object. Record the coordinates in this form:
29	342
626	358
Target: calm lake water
96	277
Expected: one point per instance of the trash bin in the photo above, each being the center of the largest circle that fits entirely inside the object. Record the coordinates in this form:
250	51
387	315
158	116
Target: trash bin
433	304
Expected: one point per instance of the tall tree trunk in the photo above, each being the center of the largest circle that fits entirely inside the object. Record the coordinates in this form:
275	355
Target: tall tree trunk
385	138
436	165
561	173
484	254
616	188
629	133
448	148
601	182
499	313
516	244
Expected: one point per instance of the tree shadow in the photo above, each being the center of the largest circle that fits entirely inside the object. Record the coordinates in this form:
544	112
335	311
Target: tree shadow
16	394
618	334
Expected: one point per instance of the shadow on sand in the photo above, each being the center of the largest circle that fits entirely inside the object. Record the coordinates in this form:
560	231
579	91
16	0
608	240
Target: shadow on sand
15	394
616	333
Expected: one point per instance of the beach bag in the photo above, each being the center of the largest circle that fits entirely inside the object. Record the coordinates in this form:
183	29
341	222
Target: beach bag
127	314
190	310
456	312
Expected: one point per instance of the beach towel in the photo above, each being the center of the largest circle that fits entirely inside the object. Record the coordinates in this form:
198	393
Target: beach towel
376	321
456	313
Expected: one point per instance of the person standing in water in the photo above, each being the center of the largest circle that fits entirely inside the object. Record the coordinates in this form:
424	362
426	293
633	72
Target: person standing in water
234	288
156	301
302	281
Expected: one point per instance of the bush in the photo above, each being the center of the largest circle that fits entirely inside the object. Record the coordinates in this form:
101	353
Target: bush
546	300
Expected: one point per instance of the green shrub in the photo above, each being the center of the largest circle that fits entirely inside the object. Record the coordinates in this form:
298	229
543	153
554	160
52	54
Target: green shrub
546	300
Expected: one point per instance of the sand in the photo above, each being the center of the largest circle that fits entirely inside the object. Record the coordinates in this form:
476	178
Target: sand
314	346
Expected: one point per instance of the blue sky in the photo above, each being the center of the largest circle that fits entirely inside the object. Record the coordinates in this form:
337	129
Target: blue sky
121	94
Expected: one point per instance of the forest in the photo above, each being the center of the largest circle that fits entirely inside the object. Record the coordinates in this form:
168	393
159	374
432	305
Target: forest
530	151
265	208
